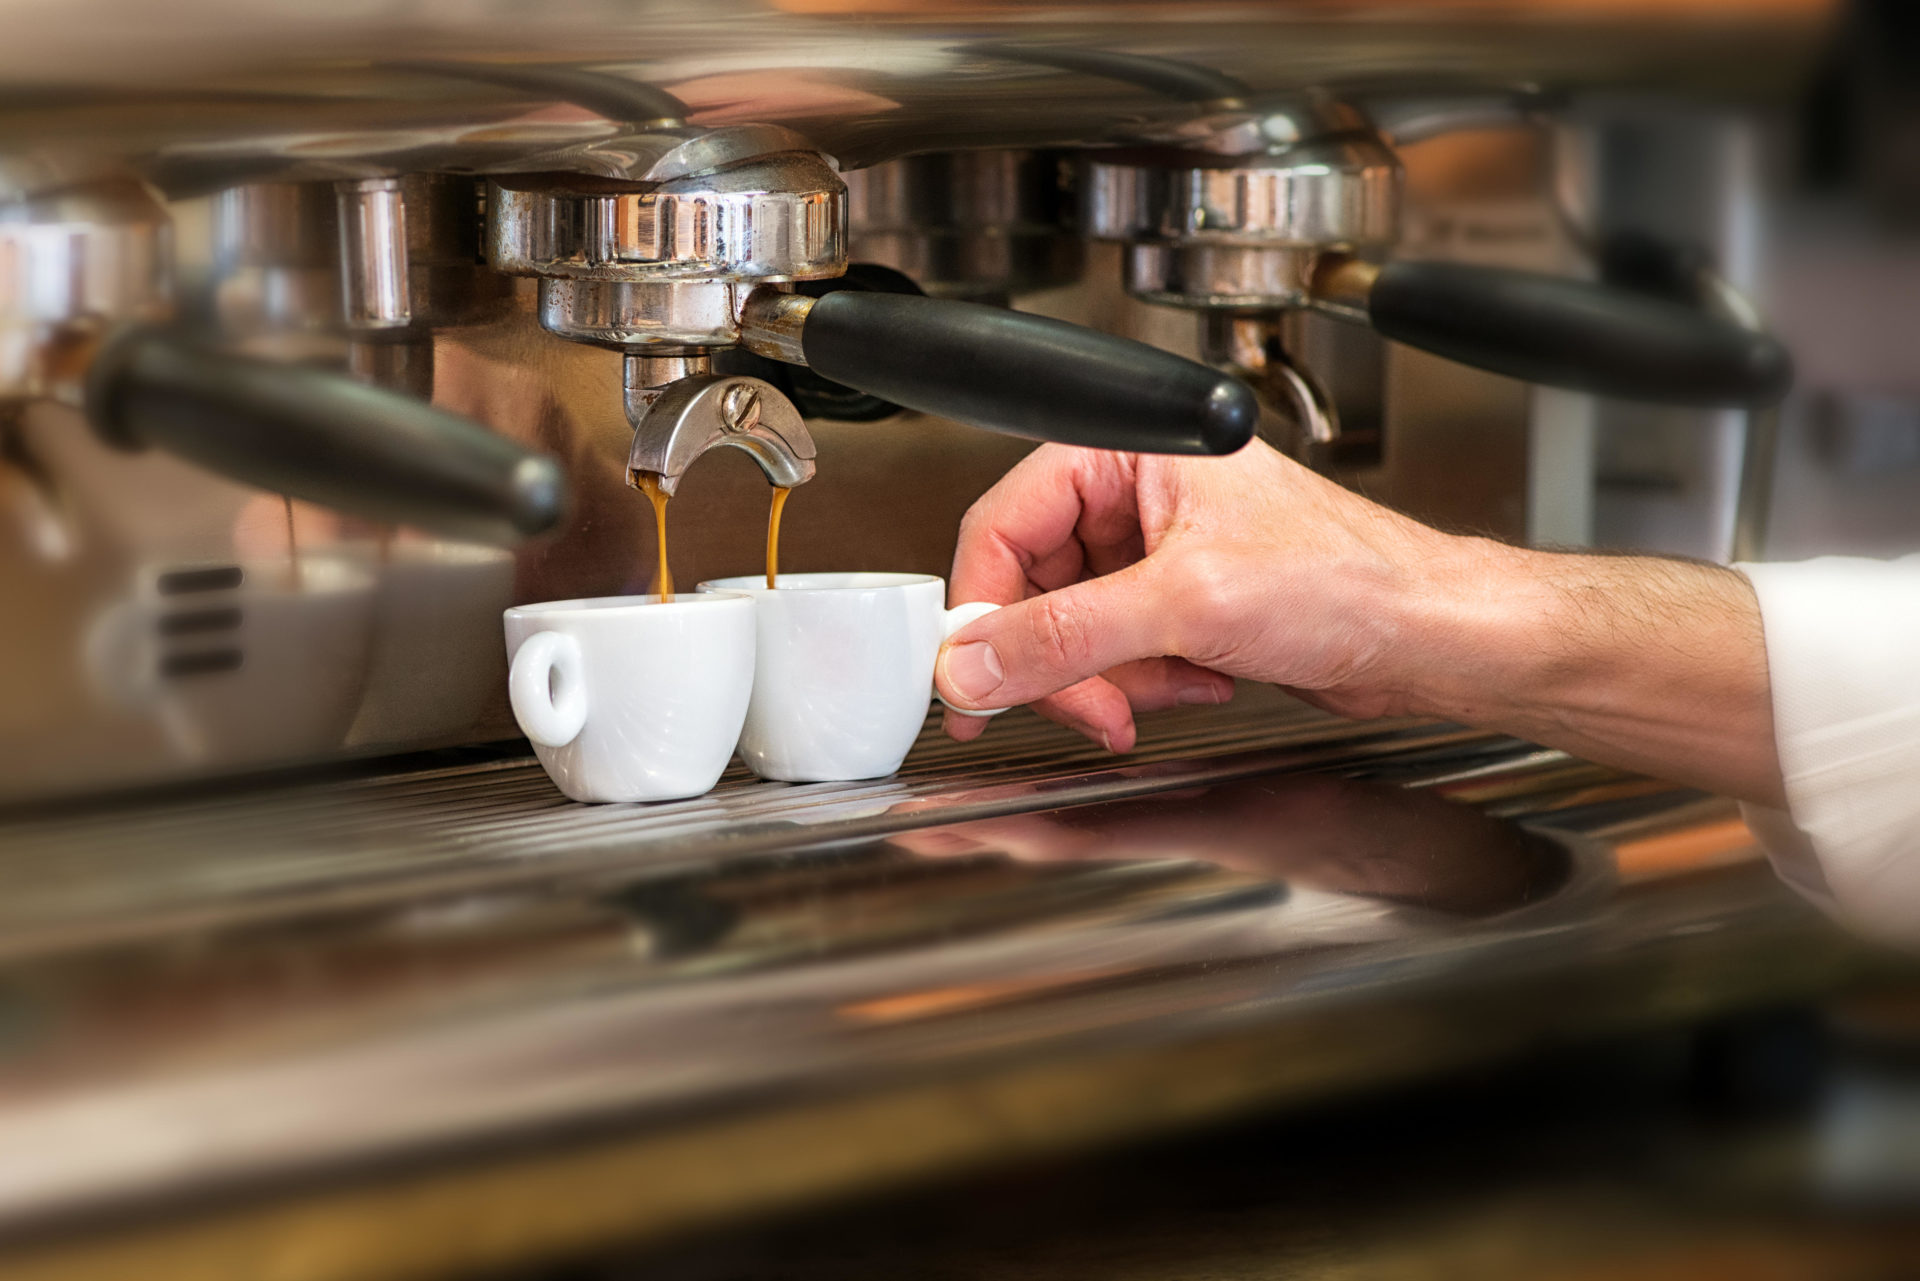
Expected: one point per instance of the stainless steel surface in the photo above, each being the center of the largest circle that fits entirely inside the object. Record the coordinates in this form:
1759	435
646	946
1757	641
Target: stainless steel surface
661	272
771	323
492	976
404	1017
667	123
1668	480
1252	349
276	258
778	218
1341	192
1219	276
334	94
673	427
639	314
376	292
71	265
1243	237
977	225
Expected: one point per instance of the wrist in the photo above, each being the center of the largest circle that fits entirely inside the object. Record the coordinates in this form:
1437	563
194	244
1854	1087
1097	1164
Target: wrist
1471	635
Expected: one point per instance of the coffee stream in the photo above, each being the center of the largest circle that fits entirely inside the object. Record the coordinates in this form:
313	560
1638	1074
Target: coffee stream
648	483
773	534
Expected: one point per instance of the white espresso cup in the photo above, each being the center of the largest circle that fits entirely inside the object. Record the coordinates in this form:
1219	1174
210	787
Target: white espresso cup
844	671
629	698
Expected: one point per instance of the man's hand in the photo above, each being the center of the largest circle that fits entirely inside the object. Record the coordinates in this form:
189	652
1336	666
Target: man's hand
1136	582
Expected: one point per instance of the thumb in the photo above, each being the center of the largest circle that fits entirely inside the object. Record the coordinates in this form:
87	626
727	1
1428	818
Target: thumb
1036	647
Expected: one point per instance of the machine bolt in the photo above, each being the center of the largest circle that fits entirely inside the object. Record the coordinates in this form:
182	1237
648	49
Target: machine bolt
740	407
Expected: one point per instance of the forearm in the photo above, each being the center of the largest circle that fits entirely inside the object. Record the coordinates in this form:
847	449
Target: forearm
1653	665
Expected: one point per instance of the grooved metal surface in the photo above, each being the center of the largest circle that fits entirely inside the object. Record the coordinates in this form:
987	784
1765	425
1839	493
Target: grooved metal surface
90	873
353	1010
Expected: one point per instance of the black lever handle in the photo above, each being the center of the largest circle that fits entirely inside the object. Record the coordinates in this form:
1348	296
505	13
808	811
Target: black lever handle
1025	375
1569	333
318	436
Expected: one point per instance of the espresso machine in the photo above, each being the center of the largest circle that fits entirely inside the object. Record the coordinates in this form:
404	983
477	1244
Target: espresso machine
329	334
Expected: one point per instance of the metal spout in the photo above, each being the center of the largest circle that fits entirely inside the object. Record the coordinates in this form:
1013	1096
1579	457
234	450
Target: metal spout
1248	346
679	411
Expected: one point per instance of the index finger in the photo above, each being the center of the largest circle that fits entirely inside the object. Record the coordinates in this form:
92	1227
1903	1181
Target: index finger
1049	500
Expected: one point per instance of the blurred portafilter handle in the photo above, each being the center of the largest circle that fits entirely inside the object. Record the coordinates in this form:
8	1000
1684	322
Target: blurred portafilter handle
321	437
1558	331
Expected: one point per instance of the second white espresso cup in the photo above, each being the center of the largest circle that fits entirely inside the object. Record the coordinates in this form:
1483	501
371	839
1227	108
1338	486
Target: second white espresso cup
629	698
843	671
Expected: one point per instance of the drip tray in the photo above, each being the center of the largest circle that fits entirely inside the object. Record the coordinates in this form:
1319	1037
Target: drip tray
216	1007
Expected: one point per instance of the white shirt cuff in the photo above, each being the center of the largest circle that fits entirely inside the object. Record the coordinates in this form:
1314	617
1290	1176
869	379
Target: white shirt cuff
1843	658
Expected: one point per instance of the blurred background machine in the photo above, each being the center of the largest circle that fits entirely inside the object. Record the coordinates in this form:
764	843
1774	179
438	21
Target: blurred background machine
327	334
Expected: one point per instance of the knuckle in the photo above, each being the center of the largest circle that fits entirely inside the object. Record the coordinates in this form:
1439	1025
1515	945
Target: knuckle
971	520
1209	588
1061	637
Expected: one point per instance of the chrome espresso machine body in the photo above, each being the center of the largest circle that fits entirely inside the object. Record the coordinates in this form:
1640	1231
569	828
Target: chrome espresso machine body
325	335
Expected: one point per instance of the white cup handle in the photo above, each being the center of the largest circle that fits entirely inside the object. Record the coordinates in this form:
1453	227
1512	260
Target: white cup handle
548	689
952	621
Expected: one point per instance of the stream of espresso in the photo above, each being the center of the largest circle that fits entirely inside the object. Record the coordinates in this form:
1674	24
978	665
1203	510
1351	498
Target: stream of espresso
773	534
649	484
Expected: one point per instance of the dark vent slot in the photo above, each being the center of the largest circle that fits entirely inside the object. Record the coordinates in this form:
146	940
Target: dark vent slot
220	578
199	621
205	663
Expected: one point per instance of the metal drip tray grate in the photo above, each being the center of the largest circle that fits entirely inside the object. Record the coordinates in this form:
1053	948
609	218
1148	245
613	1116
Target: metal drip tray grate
252	992
134	870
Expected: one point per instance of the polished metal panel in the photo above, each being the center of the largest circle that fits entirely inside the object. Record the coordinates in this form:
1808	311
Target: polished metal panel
333	94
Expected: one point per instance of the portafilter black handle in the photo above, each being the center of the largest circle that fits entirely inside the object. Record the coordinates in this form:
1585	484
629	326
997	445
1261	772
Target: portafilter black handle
1024	375
1571	333
321	437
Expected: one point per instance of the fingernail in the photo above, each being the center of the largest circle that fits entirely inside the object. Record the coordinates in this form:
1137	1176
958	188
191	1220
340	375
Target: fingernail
1194	694
973	671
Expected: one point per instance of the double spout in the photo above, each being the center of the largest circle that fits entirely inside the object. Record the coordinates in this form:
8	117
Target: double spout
680	409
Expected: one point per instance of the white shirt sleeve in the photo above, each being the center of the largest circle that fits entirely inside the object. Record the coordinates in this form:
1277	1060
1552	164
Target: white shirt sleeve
1843	657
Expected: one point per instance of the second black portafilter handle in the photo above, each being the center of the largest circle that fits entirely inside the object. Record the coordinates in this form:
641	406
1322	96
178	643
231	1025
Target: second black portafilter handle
1575	334
318	436
1025	375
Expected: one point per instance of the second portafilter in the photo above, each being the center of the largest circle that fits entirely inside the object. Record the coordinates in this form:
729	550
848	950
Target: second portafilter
88	316
1260	207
